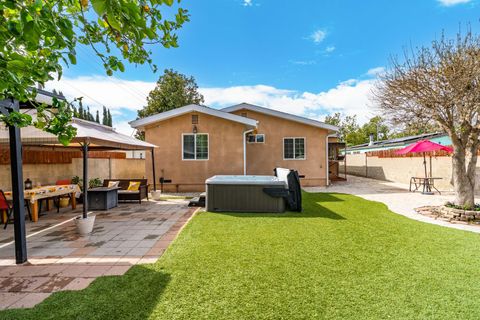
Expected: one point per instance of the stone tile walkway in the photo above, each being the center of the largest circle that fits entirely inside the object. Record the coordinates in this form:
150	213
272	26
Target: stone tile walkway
59	259
397	197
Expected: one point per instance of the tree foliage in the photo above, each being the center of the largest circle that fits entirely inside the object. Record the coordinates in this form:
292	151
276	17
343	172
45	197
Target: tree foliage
353	134
439	85
85	114
173	90
108	122
37	36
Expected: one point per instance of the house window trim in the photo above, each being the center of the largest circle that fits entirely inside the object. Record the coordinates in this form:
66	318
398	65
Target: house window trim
255	142
195	146
304	146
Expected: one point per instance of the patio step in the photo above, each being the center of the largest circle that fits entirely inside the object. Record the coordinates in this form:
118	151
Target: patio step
198	201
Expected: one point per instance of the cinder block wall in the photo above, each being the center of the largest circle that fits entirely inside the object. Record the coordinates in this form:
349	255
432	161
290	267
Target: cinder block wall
401	169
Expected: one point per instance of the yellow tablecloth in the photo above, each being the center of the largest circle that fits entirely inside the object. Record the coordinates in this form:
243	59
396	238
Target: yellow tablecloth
47	191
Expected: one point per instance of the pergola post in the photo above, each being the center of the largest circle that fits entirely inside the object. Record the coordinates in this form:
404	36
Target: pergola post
18	199
153	170
85	179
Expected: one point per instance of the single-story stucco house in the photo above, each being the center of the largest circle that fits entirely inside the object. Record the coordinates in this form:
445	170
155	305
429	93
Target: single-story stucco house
197	142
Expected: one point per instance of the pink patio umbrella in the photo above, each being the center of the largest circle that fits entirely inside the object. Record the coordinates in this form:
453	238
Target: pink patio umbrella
424	146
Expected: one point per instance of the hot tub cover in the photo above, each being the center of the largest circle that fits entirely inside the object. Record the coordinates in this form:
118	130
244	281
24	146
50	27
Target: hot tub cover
245	180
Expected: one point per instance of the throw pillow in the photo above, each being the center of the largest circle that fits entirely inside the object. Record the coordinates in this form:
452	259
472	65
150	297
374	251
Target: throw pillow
134	186
113	184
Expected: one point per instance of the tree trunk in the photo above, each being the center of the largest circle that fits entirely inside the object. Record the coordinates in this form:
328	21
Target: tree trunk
463	160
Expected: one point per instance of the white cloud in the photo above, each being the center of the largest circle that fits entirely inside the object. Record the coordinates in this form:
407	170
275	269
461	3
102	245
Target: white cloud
376	71
449	3
247	3
123	127
330	49
350	97
303	62
318	36
98	91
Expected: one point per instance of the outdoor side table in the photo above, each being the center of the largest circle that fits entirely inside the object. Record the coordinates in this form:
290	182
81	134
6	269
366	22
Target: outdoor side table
427	183
102	198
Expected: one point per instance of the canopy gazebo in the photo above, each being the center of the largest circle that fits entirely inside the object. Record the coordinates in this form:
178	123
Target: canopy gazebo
90	136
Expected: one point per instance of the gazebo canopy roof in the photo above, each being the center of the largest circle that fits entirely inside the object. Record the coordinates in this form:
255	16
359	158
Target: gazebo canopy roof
99	137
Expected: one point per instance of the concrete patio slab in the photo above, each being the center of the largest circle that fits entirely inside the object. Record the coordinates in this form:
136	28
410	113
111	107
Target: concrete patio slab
59	259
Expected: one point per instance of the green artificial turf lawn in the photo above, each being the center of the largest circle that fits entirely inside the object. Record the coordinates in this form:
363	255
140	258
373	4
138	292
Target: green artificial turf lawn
342	258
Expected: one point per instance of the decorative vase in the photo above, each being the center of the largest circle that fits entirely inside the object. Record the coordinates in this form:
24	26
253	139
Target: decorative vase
85	225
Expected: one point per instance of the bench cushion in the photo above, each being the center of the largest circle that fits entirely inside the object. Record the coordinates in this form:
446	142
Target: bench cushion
128	192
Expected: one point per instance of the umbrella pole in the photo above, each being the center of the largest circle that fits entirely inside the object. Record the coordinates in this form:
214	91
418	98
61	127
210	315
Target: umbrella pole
426	184
430	167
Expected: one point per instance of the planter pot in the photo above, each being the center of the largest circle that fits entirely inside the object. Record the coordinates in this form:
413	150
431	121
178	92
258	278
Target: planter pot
84	226
64	202
156	195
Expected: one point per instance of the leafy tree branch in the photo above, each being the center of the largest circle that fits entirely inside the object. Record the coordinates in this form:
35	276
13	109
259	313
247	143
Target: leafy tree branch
39	37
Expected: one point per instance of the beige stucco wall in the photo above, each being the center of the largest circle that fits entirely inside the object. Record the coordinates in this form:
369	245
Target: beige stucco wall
98	168
262	158
401	169
128	168
225	151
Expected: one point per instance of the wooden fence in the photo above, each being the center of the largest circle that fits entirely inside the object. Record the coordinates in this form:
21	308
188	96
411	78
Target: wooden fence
56	157
392	154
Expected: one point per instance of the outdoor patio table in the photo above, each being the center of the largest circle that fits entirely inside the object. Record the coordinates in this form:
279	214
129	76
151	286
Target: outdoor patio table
426	183
35	194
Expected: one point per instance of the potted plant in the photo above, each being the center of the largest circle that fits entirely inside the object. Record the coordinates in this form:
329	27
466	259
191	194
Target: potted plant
63	202
94	183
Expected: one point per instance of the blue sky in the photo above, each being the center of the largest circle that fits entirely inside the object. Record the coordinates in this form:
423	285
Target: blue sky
306	57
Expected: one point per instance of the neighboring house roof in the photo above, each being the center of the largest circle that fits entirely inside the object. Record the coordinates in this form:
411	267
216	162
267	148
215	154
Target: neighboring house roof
99	136
283	115
191	108
42	96
398	142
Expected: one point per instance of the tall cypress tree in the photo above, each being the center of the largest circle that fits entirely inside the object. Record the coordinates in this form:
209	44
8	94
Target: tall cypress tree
75	112
81	112
97	117
109	118
105	116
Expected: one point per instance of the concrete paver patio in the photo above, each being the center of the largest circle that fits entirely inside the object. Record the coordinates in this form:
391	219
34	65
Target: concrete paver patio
59	259
396	196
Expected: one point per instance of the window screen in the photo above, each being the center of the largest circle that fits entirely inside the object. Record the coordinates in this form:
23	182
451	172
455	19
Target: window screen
195	146
294	148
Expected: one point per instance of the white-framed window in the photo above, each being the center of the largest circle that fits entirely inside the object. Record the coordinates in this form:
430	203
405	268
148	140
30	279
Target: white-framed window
294	148
195	146
256	138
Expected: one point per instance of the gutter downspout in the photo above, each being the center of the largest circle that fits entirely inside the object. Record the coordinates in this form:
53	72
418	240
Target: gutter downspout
326	156
245	150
